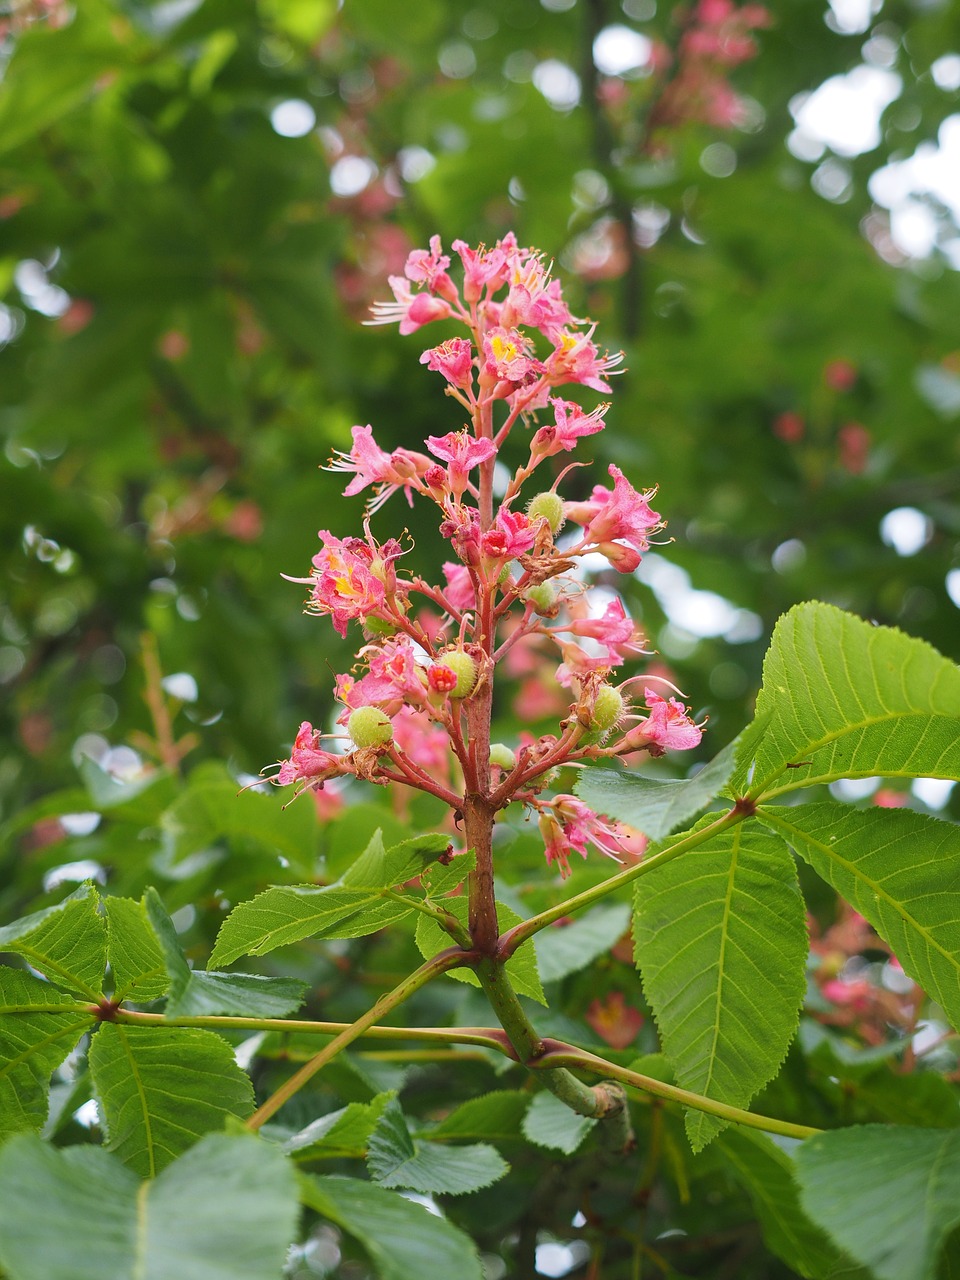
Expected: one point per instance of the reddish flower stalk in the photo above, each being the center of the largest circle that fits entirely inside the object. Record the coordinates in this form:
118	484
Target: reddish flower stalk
418	705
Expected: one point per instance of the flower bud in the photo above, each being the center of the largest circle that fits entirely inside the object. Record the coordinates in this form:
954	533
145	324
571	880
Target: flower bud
464	669
370	727
607	709
502	755
547	506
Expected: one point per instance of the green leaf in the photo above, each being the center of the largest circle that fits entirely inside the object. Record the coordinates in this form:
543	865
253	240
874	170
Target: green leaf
521	968
226	1210
286	914
570	948
162	1088
404	1240
35	1037
439	879
721	941
305	20
66	943
550	1123
767	1175
395	1159
889	1196
341	1134
351	908
495	1116
135	956
899	869
655	806
844	699
379	868
53	72
197	994
210	809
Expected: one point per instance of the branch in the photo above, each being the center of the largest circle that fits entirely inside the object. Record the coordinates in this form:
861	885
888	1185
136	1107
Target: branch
558	1054
452	958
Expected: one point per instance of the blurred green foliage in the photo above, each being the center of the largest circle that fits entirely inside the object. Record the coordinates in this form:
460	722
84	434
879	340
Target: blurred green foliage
183	284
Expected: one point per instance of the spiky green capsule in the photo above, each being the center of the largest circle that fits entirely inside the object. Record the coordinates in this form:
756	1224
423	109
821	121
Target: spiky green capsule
547	506
370	727
607	709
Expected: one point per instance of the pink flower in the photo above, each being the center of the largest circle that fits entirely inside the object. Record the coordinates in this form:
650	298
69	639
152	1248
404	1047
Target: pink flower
454	359
459	589
370	465
463	452
576	359
857	995
622	514
570	424
308	763
485	268
668	724
534	299
573	826
616	629
513	535
426	744
412	310
506	355
430	268
343	584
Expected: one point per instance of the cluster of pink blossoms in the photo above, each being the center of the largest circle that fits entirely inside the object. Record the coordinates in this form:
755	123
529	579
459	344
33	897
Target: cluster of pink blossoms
417	706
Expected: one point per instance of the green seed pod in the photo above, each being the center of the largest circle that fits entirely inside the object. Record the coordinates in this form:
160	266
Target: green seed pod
543	597
607	709
370	727
502	755
548	506
464	668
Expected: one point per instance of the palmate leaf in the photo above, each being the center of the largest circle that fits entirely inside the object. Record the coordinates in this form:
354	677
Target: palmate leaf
136	959
888	1195
655	806
395	1159
198	994
900	870
162	1088
404	1240
550	1123
768	1175
340	1134
226	1210
210	810
351	908
66	943
843	699
35	1037
572	947
495	1116
721	942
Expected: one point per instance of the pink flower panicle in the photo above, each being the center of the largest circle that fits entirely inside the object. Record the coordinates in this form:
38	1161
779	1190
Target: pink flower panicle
512	593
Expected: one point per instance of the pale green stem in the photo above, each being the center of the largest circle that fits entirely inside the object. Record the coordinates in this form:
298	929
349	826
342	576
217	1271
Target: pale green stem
442	963
581	1098
519	934
484	1037
443	918
568	1056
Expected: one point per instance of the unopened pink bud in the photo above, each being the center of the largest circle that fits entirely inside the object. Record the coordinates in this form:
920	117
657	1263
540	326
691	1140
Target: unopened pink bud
623	559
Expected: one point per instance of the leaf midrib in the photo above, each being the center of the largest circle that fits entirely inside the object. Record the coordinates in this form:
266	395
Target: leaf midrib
758	791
